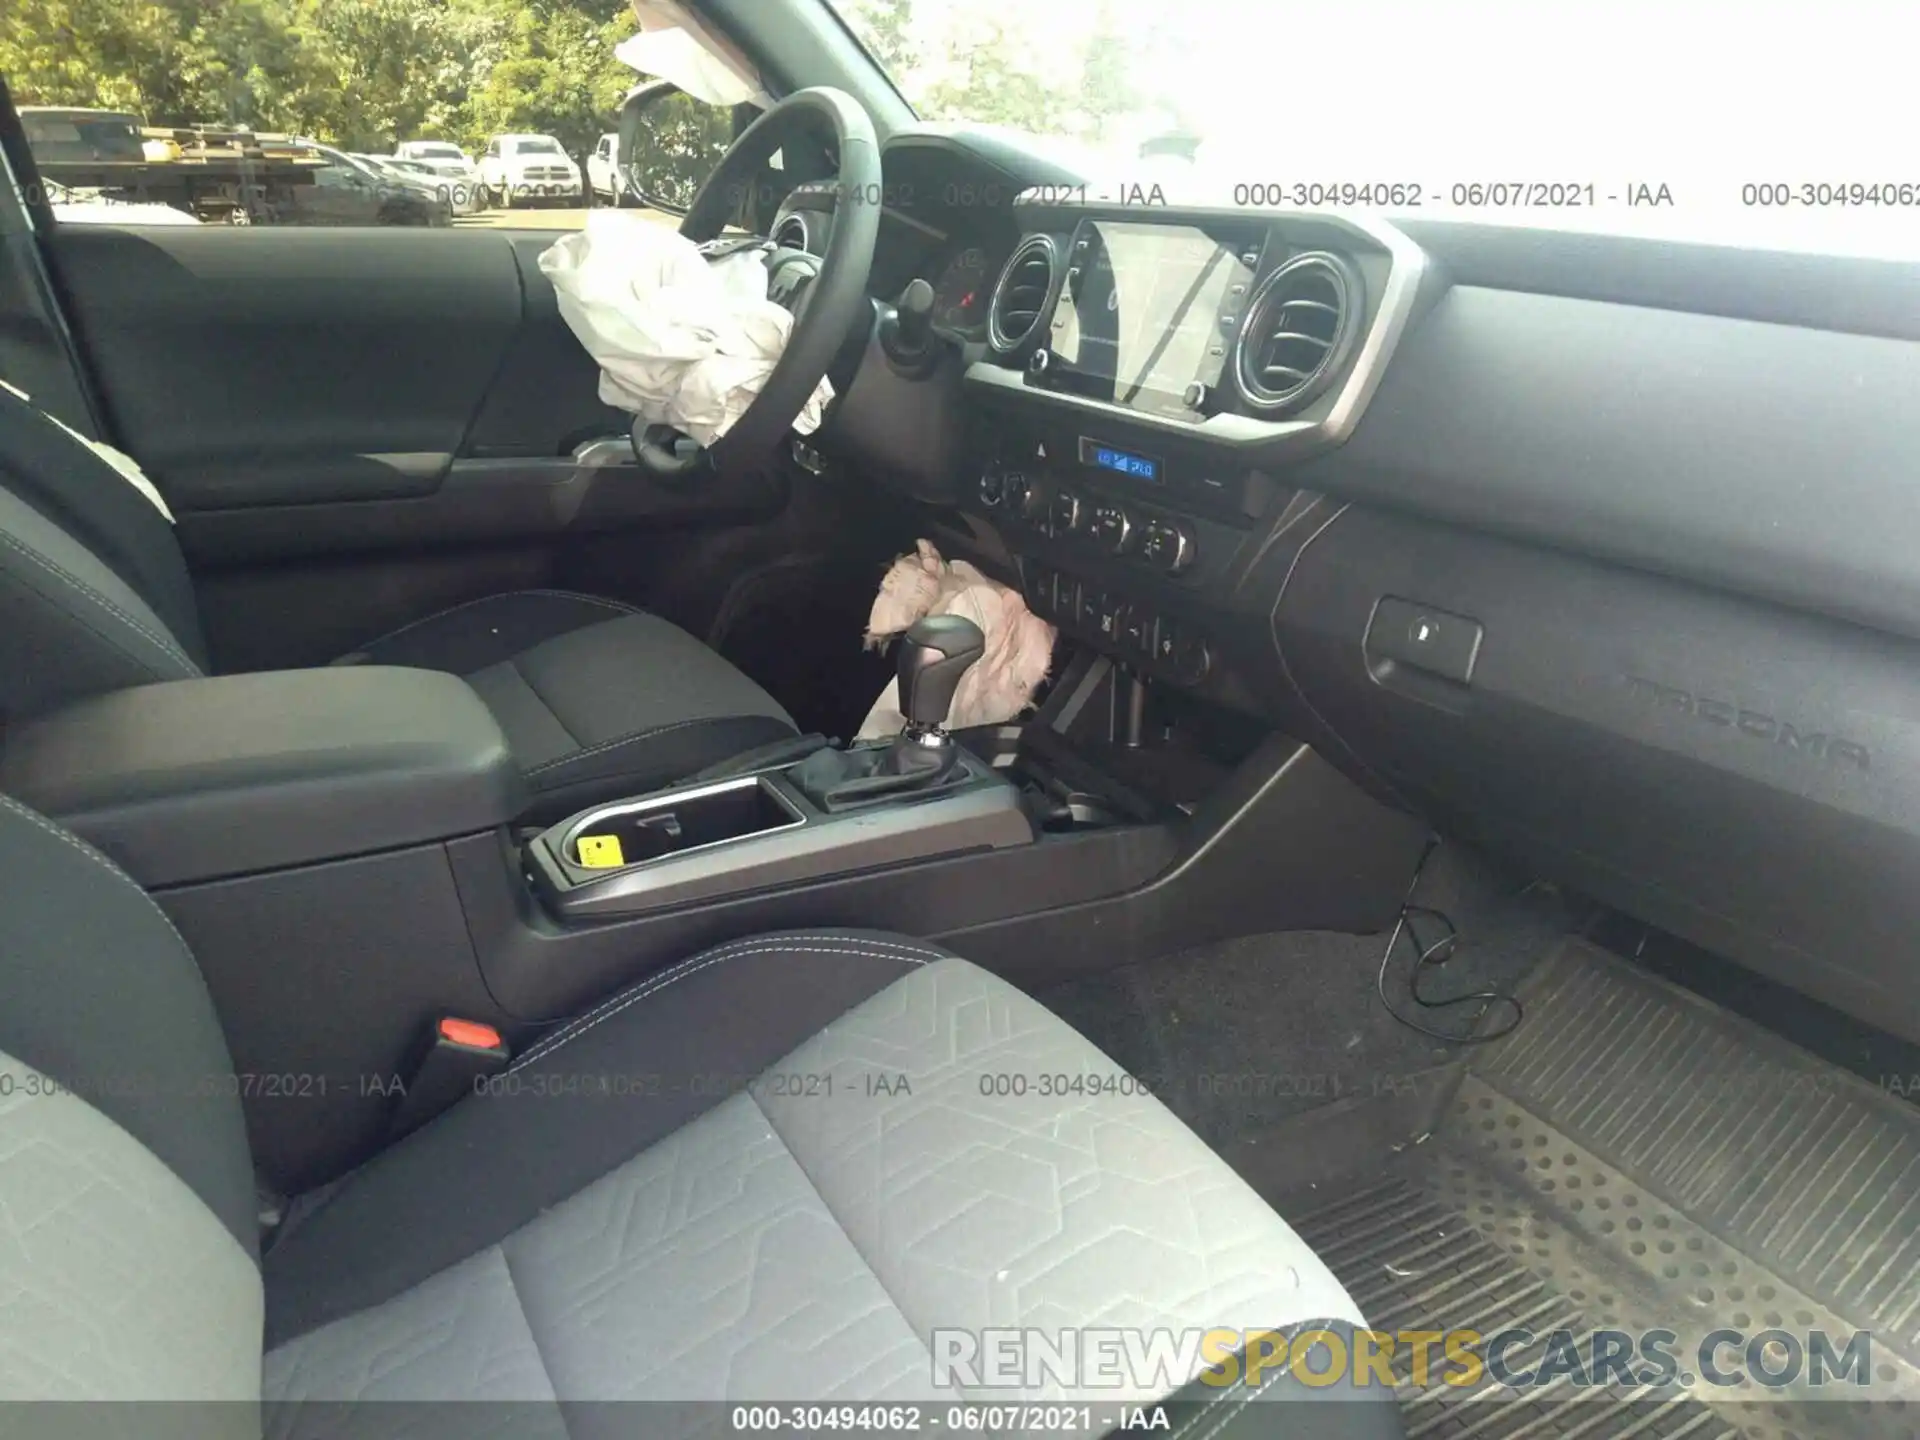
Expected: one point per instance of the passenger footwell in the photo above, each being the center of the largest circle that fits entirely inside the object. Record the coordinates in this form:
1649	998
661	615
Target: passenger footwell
1633	1159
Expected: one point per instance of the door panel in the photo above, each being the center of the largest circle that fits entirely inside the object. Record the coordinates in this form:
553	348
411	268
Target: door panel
546	397
261	367
325	407
301	393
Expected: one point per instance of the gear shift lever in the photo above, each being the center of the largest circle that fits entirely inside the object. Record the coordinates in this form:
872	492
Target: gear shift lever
934	654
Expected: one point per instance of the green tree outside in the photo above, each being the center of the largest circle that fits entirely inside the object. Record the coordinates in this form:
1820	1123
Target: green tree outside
361	74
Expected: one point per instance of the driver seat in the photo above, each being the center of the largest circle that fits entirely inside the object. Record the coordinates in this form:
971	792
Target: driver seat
597	699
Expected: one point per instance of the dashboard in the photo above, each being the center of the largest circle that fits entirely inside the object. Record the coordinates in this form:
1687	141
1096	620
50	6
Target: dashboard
947	217
1593	550
960	289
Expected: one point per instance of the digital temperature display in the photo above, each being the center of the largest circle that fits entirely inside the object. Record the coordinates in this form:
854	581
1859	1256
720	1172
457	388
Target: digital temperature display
1121	462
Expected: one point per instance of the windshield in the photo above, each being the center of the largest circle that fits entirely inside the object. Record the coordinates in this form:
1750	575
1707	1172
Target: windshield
1758	125
537	146
437	152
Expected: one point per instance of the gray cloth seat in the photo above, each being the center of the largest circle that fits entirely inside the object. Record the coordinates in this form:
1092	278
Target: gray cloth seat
791	1168
596	698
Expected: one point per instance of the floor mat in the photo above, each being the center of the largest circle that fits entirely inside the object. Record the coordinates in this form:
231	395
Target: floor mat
1634	1159
1244	1035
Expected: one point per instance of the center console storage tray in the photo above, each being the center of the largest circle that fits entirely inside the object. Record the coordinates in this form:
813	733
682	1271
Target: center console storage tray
636	832
755	832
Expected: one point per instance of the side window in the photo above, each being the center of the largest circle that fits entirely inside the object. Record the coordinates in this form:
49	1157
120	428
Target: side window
211	112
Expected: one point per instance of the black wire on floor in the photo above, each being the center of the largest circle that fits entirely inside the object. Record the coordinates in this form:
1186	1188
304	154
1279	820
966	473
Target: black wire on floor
1430	957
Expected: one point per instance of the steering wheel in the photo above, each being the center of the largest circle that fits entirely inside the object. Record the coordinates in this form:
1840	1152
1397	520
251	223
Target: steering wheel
825	297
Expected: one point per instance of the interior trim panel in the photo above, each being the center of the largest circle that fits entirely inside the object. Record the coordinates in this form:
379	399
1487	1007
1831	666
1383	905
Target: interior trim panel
1739	774
260	366
1775	461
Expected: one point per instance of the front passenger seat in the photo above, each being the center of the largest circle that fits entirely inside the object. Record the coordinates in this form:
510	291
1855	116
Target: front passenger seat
597	699
791	1168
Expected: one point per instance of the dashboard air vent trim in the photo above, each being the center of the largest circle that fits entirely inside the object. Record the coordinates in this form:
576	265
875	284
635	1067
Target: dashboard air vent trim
1021	294
1300	328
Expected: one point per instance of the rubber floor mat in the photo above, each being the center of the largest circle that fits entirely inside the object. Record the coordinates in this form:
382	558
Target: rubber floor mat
1633	1161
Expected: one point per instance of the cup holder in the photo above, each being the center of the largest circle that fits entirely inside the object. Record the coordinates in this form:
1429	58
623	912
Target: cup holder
621	836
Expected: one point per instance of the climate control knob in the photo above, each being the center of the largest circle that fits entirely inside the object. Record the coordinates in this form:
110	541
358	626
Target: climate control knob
1169	546
1069	514
1013	491
1113	528
1035	501
992	487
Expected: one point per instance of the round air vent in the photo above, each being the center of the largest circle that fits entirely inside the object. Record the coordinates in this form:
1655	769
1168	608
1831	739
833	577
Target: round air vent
1021	293
792	233
1299	328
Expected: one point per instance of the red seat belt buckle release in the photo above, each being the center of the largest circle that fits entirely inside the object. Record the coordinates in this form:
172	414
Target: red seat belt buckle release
470	1035
460	1055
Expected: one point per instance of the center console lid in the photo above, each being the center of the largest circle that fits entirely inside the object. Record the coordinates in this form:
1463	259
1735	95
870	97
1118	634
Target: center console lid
195	779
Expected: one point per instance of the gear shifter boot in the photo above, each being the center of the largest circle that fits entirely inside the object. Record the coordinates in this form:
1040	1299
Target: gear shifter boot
934	654
840	779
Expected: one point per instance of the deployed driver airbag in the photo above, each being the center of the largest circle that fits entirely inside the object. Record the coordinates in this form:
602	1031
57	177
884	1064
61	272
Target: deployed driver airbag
683	338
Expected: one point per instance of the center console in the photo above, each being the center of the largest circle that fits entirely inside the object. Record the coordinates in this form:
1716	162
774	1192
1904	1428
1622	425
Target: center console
343	849
1152	371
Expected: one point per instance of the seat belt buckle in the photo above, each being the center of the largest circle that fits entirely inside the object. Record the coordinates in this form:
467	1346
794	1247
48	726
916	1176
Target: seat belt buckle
459	1054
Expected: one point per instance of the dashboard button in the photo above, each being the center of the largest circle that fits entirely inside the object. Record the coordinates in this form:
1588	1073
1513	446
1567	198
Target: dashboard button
1113	528
992	487
1109	617
1039	590
1169	546
1036	501
1136	631
1087	612
1013	490
1166	643
1069	514
1191	659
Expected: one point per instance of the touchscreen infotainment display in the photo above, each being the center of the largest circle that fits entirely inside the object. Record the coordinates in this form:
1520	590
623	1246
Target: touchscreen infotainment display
1147	310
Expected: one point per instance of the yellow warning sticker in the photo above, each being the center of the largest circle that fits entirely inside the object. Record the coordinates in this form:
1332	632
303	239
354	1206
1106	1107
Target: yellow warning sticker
601	852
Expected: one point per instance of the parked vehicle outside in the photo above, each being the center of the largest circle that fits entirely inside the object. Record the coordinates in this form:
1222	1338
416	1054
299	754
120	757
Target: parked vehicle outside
348	190
463	197
90	207
57	134
448	160
603	171
430	188
530	170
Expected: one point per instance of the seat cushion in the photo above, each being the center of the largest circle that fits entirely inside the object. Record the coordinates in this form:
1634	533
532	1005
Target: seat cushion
789	1168
597	699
